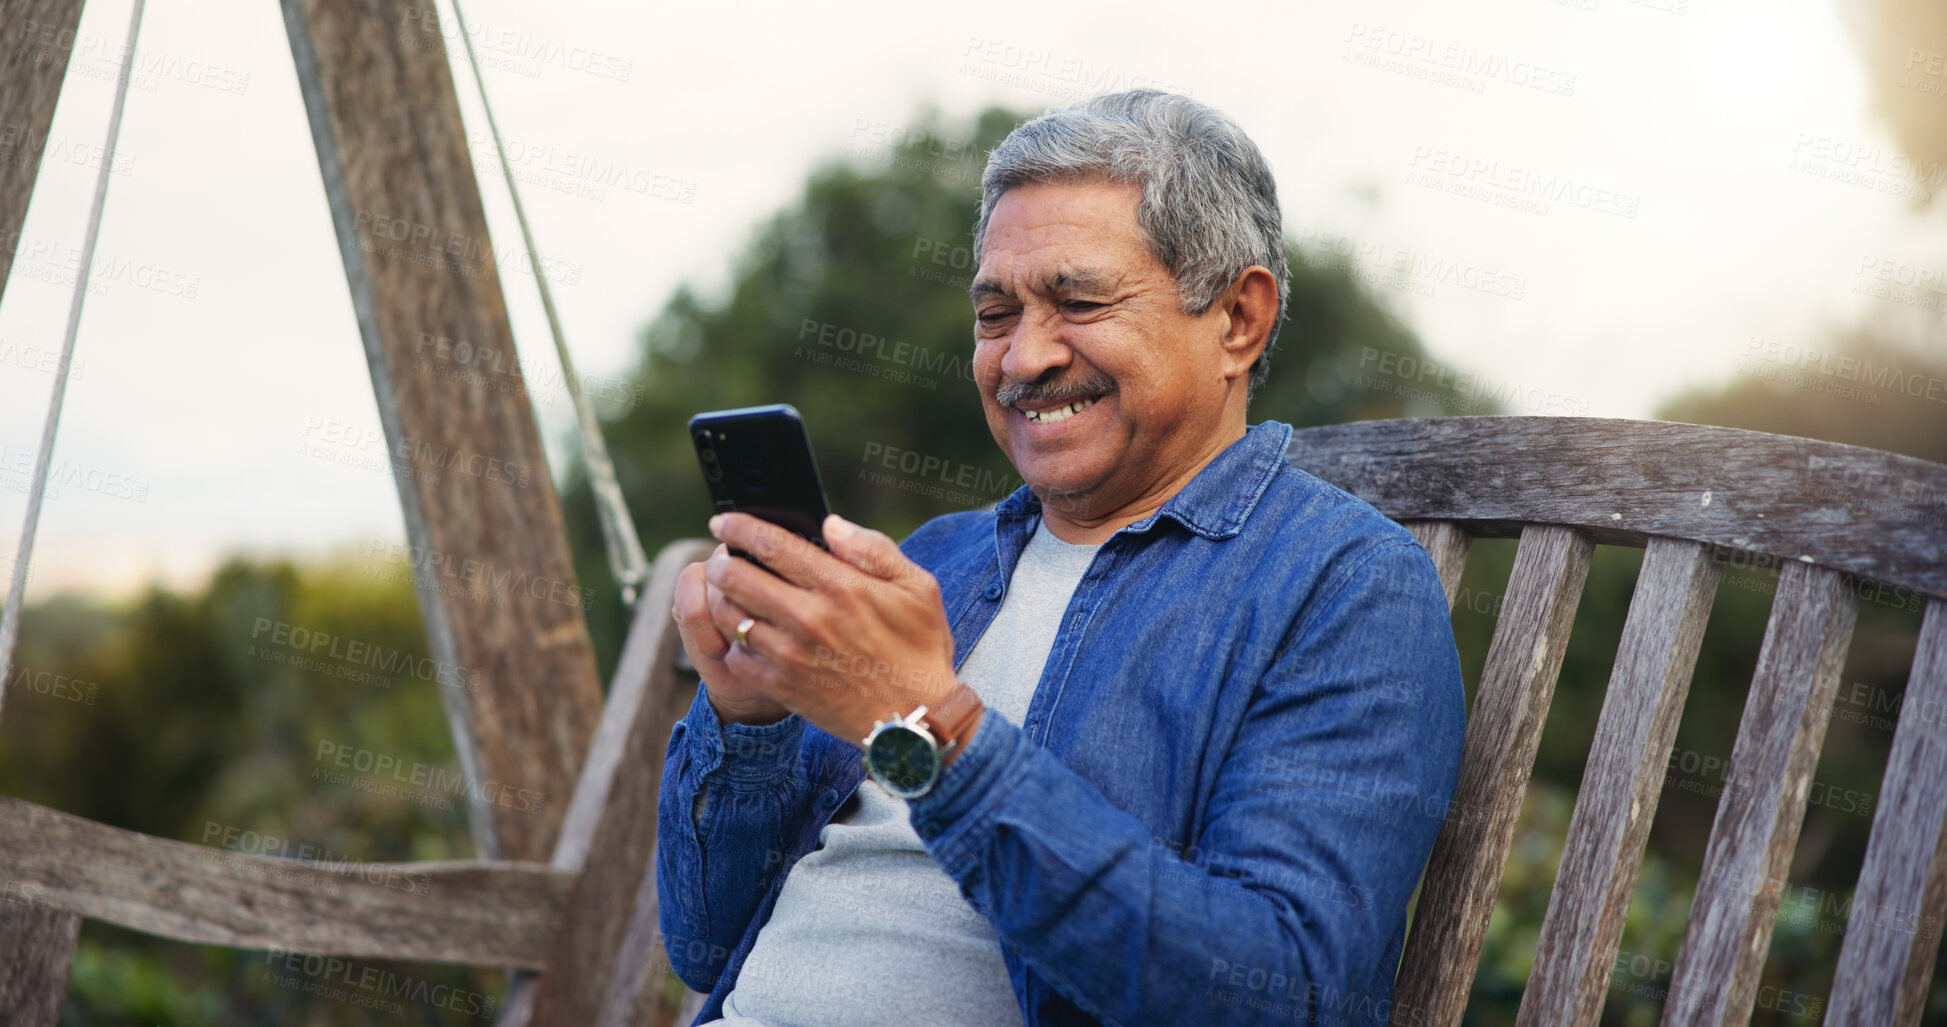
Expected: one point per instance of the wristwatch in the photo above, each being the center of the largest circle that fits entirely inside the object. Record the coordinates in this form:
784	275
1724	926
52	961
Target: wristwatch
904	754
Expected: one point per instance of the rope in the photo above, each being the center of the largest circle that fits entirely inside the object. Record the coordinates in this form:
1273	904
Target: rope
36	492
625	557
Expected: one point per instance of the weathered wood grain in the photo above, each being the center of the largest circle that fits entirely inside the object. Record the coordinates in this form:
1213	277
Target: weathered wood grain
475	913
1447	543
1517	682
480	509
609	943
39	948
1872	514
1886	966
36	40
1763	802
1576	953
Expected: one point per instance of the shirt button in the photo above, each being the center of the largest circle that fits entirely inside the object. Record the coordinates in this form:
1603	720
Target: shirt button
994	590
929	829
831	797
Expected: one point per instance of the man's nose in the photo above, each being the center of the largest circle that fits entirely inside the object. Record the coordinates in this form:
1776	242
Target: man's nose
1037	346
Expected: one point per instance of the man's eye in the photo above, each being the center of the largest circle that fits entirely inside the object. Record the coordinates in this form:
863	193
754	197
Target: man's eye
1082	306
993	317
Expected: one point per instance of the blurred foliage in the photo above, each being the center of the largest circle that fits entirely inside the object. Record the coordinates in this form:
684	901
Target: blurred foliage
186	717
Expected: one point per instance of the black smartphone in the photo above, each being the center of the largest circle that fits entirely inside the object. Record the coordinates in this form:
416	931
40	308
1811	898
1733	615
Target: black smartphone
757	460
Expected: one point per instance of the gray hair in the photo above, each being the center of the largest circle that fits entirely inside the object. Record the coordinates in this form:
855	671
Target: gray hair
1209	206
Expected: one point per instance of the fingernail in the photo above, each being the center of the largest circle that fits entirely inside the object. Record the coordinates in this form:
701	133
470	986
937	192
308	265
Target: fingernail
716	524
838	527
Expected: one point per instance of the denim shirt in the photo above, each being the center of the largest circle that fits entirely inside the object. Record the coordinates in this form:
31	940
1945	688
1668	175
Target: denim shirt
1222	795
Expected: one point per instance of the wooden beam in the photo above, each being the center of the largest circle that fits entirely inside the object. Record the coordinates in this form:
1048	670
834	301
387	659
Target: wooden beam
1886	967
475	913
39	950
38	38
1503	731
1447	543
36	942
1742	881
604	962
480	508
1875	515
1575	956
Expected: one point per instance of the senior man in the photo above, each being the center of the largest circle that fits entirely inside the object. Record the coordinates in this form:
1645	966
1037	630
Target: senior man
1162	738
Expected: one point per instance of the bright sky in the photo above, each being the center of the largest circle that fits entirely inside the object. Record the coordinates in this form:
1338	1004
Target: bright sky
1600	203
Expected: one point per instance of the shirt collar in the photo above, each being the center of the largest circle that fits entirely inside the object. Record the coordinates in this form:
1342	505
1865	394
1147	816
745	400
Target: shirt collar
1214	505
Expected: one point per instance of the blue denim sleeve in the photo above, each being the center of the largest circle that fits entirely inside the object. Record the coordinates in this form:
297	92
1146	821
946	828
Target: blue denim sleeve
1291	900
727	792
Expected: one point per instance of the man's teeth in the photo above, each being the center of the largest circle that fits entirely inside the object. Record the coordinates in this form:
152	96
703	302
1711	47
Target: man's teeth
1060	413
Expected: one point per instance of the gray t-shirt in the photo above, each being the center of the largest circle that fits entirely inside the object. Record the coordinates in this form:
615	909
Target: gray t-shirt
868	929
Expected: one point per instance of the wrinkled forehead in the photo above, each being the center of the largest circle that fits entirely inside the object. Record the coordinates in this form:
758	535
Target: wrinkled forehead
1061	238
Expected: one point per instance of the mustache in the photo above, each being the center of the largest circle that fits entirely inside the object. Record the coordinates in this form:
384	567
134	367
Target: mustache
1014	390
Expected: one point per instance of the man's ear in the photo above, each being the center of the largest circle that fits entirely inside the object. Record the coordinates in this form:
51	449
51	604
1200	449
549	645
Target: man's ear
1250	306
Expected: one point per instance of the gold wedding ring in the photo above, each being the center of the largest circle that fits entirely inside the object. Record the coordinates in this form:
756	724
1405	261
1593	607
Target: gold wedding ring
743	631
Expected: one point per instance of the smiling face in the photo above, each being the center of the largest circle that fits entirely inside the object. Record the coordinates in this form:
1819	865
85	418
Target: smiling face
1104	394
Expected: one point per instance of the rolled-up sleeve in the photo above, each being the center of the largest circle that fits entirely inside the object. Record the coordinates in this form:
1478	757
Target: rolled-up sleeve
728	793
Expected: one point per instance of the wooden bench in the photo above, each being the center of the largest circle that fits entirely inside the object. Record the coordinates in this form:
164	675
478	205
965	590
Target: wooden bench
1688	495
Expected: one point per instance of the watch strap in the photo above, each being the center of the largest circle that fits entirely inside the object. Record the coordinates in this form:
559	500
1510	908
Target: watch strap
954	716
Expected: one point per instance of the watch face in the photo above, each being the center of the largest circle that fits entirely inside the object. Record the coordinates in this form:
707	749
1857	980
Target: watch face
903	761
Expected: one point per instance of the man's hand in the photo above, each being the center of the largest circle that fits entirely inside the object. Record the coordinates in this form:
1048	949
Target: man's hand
699	608
843	638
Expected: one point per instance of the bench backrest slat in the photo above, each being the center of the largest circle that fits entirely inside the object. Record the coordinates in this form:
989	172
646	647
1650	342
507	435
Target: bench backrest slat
1576	952
1763	803
1895	926
1503	731
1447	543
34	972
